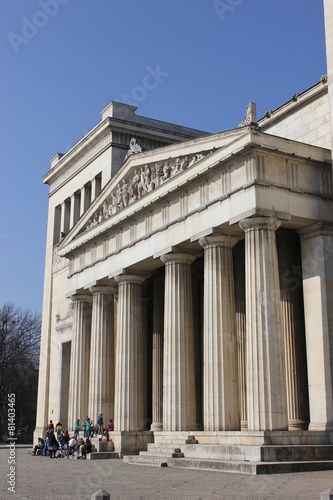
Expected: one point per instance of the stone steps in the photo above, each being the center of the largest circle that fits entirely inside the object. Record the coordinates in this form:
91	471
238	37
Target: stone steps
260	453
247	453
234	466
159	452
245	459
251	467
150	461
103	455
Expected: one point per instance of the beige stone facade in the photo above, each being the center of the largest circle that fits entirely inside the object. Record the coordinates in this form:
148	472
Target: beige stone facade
189	277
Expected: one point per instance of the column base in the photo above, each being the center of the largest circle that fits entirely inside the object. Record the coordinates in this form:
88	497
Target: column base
244	426
131	442
297	425
155	426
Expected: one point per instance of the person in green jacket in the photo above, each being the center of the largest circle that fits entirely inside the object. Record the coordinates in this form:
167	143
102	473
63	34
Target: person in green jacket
77	427
58	429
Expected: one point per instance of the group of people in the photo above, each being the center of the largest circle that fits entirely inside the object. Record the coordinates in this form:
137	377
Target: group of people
89	430
58	441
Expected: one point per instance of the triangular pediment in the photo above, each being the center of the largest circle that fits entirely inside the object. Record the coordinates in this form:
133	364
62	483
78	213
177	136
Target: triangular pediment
140	175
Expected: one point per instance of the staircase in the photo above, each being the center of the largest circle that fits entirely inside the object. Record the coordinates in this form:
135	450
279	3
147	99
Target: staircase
259	453
102	449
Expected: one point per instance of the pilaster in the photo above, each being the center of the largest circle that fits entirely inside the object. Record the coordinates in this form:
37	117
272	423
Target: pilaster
265	370
317	268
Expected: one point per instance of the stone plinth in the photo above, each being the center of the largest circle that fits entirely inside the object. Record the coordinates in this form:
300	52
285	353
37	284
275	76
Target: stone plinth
131	441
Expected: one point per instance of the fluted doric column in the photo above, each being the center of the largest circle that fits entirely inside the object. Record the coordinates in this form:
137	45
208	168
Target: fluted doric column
157	375
221	399
266	380
197	294
293	328
239	273
144	358
101	386
178	360
80	357
128	411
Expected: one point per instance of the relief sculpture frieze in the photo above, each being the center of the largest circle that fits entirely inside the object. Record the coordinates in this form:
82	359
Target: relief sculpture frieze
140	182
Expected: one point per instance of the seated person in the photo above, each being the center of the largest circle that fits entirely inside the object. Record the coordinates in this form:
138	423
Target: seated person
71	446
88	446
39	447
83	450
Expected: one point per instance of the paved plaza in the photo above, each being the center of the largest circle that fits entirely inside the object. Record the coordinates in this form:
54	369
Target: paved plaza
43	478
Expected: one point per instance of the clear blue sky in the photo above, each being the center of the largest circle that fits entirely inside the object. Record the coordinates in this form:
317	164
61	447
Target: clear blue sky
62	61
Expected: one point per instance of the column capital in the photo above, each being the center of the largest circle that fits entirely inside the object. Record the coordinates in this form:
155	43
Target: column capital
217	240
105	289
81	297
135	279
184	258
270	223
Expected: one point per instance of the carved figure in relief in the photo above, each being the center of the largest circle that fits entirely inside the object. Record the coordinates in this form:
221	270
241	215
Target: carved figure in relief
133	190
147	177
193	160
119	197
166	171
95	219
125	193
153	174
100	216
176	168
158	174
105	210
143	181
185	163
113	203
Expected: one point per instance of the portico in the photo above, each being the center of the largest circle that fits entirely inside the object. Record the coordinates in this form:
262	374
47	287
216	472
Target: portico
189	285
145	251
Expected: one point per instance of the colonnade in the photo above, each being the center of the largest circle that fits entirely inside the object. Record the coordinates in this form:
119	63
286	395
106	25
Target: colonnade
253	355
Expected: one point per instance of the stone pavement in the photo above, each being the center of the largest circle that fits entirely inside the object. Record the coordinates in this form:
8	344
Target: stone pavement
45	478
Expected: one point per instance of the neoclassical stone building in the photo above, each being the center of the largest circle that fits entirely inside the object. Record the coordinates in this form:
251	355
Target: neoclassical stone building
189	278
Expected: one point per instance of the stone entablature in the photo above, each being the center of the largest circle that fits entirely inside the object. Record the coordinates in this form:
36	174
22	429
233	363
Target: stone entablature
193	200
